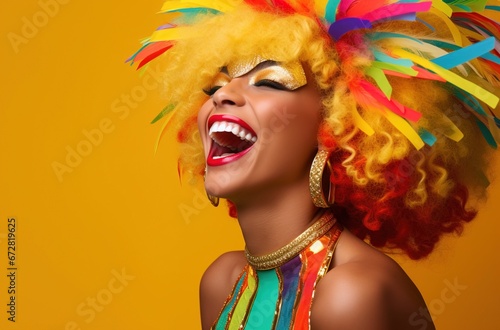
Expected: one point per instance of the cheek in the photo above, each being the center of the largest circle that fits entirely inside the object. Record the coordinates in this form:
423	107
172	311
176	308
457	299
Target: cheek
306	114
292	128
299	114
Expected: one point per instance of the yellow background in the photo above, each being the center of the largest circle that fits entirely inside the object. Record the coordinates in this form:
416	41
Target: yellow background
117	208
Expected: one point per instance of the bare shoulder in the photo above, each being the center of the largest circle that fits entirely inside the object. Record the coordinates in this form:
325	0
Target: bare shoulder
217	283
367	290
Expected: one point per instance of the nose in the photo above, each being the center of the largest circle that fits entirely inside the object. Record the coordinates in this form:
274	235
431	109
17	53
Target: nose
229	95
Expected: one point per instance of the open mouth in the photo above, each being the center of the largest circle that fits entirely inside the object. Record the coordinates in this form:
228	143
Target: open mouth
230	139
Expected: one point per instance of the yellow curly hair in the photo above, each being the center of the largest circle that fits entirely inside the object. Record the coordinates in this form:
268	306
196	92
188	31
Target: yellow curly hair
388	191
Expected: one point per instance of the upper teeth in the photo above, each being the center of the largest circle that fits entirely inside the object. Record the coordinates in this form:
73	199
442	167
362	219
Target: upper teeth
224	126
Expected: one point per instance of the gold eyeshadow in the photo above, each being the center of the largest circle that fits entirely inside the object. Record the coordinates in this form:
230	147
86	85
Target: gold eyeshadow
241	68
290	75
221	79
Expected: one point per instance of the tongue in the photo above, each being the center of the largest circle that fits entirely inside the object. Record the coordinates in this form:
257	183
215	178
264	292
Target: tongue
219	151
223	139
229	139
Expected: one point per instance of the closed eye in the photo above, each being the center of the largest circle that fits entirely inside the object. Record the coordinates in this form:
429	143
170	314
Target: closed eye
211	91
220	80
271	84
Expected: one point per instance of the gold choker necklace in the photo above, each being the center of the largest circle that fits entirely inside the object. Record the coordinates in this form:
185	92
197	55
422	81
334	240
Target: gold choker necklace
292	249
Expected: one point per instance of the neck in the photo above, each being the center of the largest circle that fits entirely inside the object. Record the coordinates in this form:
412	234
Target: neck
269	223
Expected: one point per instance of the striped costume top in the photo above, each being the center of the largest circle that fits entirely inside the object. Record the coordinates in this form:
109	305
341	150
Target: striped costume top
279	298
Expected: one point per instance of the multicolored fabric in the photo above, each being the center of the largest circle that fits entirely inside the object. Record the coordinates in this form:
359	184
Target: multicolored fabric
280	298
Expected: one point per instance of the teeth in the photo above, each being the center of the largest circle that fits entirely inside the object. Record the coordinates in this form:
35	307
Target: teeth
223	126
214	128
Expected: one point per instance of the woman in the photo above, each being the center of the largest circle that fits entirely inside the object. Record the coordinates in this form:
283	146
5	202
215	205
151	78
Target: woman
326	124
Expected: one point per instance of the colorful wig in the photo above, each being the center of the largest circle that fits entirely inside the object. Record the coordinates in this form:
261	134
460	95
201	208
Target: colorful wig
410	93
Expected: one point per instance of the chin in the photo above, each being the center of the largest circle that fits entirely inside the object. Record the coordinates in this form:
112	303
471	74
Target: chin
219	185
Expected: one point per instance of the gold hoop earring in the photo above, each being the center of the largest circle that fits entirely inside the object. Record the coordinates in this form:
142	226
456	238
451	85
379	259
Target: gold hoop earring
316	180
214	200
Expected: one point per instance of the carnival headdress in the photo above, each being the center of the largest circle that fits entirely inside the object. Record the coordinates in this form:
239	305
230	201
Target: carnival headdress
474	47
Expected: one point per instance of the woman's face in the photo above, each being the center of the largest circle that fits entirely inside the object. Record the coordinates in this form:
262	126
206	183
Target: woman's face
259	128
